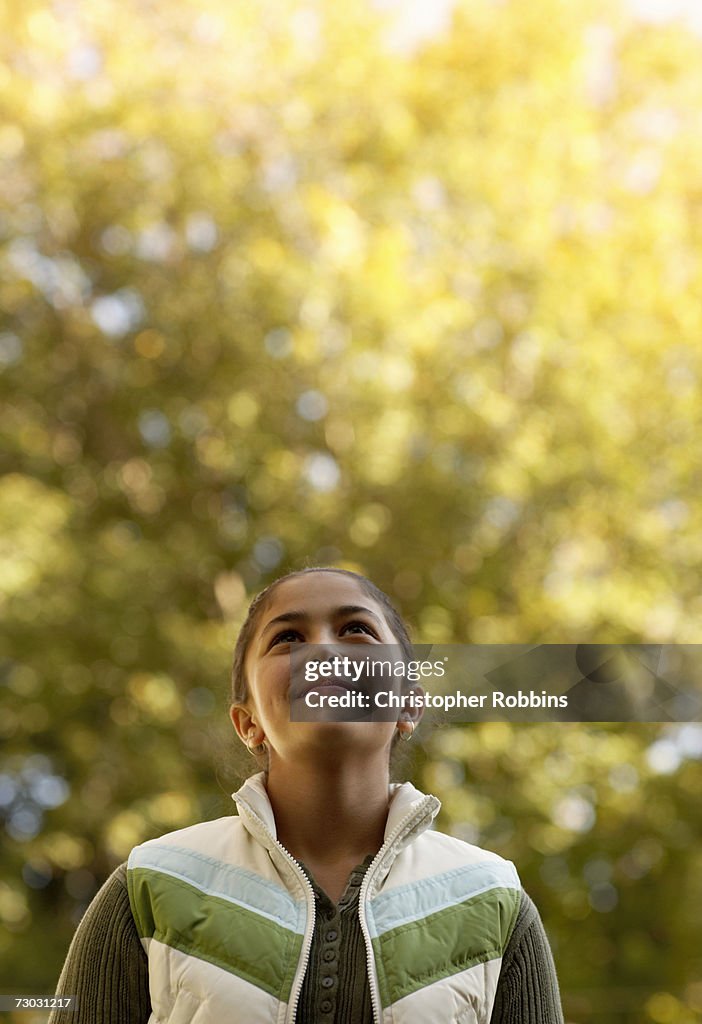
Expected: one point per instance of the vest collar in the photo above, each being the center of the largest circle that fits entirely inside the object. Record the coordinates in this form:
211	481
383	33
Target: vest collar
410	812
253	797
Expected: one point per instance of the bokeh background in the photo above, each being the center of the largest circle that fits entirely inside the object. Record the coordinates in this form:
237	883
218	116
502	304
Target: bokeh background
412	288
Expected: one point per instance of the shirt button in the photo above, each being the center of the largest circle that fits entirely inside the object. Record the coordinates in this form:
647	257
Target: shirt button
326	1005
327	982
329	954
331	936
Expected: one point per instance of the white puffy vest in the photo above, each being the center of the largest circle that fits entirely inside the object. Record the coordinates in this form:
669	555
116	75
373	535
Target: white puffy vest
226	916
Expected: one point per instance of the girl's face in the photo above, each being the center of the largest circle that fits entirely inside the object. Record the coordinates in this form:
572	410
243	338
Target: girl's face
318	608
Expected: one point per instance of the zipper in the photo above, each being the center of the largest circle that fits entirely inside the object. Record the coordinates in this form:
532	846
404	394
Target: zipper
303	963
406	825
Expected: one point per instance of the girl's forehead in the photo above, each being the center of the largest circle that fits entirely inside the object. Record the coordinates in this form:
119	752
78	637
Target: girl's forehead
317	591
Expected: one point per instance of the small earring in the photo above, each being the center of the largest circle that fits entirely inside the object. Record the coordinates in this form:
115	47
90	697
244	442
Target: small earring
407	736
255	748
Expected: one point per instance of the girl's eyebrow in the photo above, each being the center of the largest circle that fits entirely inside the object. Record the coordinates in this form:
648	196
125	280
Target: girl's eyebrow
346	609
285	617
353	609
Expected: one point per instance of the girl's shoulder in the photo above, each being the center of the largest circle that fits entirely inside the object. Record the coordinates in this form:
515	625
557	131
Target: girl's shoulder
215	840
453	870
454	852
199	832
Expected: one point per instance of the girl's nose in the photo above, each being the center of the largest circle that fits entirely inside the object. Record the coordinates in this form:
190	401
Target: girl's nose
326	648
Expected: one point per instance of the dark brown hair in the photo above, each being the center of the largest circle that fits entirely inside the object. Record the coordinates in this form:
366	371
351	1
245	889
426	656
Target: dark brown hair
239	693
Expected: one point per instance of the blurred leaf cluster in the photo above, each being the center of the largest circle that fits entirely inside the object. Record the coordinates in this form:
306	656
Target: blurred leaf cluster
284	283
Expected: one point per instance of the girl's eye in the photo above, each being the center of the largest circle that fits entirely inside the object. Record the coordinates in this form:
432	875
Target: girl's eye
286	636
358	627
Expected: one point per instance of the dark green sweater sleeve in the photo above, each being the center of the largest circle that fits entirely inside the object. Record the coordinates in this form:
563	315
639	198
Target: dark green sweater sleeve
527	990
106	966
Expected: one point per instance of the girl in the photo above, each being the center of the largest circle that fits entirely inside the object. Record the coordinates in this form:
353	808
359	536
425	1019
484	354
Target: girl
328	898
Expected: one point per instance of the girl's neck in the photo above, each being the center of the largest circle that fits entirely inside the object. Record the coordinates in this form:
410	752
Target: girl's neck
334	815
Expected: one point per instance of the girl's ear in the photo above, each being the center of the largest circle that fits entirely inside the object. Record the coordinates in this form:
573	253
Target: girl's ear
250	734
412	714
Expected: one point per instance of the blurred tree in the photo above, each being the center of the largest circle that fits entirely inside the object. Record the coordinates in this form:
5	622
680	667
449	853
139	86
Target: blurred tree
283	284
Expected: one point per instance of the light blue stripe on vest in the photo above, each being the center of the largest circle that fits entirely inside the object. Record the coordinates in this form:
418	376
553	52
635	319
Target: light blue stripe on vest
224	880
419	899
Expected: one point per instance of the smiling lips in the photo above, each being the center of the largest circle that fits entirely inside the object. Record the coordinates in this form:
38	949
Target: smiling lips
329	686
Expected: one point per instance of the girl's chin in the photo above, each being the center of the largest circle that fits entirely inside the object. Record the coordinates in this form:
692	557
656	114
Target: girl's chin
349	732
346	717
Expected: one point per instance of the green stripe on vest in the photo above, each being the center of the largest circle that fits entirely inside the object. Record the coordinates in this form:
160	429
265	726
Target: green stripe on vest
417	954
232	937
